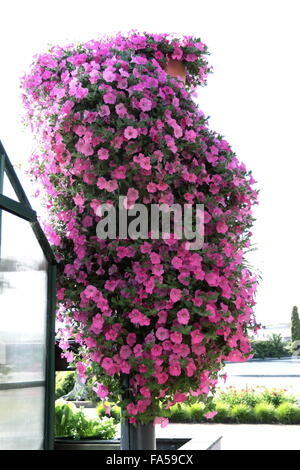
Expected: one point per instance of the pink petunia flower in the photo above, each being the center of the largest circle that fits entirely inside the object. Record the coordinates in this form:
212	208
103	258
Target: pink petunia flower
162	333
101	183
162	378
156	350
109	98
131	339
132	196
176	337
107	363
221	227
130	133
162	421
132	409
109	75
103	153
91	292
111	186
79	200
176	262
145	391
121	110
183	316
210	414
197	336
212	278
97	324
101	390
175	295
175	369
151	187
145	104
125	352
104	111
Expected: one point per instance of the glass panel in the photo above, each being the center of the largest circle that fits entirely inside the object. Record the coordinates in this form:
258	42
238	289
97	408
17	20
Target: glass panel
23	302
23	307
8	190
21	425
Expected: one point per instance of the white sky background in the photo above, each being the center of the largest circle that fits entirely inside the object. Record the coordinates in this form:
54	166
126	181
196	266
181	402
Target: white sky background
252	97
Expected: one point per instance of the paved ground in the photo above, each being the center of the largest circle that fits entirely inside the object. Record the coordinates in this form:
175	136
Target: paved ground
240	436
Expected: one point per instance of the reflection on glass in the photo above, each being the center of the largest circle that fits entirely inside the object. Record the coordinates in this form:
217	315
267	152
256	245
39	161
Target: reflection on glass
21	419
23	301
23	304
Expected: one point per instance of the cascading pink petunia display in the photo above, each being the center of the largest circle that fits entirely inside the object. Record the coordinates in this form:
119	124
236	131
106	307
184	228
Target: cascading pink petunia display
110	121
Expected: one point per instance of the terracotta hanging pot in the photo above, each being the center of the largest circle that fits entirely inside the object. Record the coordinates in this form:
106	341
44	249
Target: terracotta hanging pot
175	68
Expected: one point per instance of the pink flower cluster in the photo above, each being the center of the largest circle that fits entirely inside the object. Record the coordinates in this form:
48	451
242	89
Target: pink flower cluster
111	121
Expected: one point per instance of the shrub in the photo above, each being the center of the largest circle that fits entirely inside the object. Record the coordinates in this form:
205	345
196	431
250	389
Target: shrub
288	413
223	410
276	396
197	412
104	429
265	412
250	405
294	347
295	324
100	409
65	419
115	411
272	347
64	383
234	396
242	413
70	422
180	413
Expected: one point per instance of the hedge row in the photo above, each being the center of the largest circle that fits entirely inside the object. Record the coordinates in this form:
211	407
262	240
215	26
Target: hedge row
262	413
250	405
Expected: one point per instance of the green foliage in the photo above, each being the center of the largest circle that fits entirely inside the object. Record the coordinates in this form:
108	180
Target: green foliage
252	396
223	410
197	412
180	413
265	412
115	411
294	347
242	413
233	396
272	347
249	405
100	409
288	413
70	422
64	383
276	396
295	325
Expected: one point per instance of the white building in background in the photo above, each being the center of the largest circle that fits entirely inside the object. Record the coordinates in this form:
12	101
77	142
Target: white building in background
283	329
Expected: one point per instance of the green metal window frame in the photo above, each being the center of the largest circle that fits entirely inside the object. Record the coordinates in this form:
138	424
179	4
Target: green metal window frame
24	210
